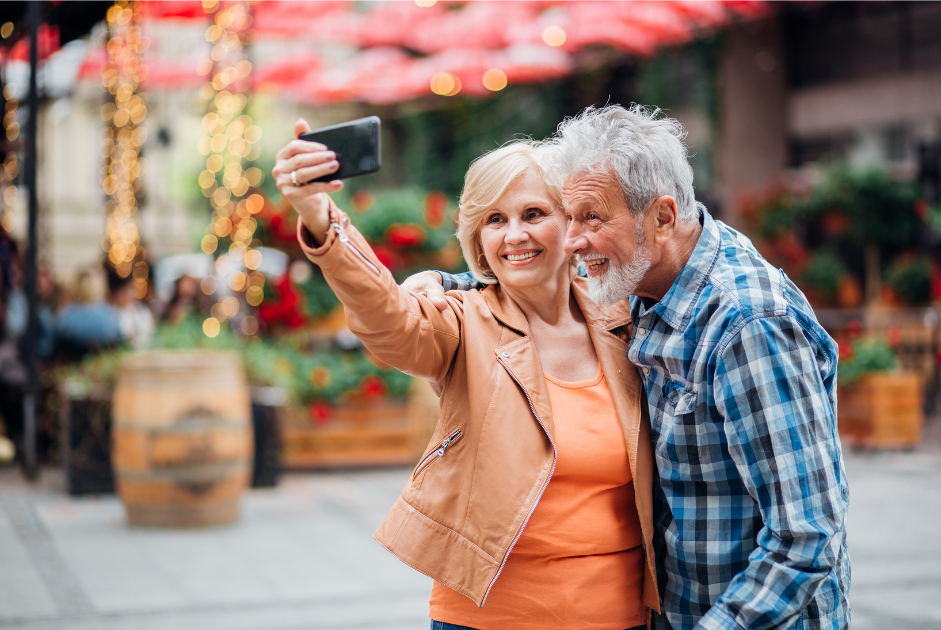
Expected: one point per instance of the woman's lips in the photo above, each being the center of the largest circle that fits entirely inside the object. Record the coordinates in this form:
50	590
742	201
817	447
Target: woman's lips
518	259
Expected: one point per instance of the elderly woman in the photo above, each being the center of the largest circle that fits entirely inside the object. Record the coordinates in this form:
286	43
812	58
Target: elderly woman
531	507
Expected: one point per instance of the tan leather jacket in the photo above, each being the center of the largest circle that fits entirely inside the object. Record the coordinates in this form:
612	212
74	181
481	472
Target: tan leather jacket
492	454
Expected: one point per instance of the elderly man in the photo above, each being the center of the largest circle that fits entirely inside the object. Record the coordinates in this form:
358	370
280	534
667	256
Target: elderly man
740	380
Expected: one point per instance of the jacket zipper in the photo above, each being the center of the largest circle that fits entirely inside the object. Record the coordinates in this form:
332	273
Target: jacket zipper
555	456
344	238
439	452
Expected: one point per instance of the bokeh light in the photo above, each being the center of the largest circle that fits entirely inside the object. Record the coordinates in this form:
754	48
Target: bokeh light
553	35
494	79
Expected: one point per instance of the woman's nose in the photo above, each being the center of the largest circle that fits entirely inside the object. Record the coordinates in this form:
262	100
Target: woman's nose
516	232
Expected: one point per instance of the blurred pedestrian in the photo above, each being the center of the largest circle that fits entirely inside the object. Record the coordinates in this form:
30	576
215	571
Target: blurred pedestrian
183	303
135	319
89	323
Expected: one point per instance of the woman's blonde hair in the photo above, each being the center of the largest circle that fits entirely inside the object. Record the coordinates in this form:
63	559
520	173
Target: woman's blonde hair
487	179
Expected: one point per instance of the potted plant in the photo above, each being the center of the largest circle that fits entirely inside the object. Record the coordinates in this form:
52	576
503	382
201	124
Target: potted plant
879	405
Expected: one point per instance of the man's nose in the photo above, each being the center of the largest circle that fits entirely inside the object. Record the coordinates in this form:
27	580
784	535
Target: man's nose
575	240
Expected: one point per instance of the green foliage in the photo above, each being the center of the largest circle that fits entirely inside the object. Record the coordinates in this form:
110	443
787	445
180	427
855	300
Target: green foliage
320	300
868	356
911	277
881	208
824	273
268	363
397	206
333	375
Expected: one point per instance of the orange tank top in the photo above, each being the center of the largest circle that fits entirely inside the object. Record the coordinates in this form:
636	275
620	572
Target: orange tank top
579	561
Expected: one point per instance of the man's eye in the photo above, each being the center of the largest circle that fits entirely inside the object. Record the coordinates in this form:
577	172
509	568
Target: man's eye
592	216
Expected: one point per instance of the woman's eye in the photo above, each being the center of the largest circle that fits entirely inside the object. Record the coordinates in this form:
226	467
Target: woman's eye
533	213
494	218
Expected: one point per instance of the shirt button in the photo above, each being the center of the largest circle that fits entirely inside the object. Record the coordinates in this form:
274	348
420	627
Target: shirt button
646	370
641	331
505	354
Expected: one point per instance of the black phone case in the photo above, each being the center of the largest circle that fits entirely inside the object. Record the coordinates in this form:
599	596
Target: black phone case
356	143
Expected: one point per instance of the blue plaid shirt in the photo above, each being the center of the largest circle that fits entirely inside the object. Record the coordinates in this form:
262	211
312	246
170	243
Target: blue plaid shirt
752	499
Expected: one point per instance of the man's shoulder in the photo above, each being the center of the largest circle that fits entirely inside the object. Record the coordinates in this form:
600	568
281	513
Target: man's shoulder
743	286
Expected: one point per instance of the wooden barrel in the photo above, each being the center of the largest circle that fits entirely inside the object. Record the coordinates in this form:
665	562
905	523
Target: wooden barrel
182	440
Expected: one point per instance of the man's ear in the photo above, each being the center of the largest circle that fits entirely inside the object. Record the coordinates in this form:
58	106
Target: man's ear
665	215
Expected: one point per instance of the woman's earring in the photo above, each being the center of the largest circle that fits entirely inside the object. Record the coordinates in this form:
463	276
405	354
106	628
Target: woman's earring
482	261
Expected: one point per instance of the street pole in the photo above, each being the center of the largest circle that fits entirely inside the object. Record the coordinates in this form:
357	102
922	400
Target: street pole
32	398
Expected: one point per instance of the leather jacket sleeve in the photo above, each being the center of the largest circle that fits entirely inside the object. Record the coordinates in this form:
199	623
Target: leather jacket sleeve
405	331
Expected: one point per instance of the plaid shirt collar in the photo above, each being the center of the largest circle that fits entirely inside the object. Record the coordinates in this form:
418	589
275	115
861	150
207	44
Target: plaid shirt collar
676	307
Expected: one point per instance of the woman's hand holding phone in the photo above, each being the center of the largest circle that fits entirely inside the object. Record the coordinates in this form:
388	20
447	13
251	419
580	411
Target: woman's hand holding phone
298	163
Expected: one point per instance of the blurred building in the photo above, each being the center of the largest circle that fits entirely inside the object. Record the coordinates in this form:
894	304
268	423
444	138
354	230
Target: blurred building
854	81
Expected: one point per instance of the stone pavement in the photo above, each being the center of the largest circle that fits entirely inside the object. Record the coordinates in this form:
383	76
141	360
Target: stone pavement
303	556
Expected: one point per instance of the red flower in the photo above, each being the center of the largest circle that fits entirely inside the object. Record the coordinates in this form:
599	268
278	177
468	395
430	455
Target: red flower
921	209
854	328
286	309
320	412
436	206
372	387
846	349
363	201
936	286
404	235
893	336
391	260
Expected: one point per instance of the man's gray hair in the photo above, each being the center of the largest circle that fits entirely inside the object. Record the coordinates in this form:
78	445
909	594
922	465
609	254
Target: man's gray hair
644	150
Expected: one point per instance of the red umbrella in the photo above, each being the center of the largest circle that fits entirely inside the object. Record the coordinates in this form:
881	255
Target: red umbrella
325	21
286	73
175	9
396	23
478	25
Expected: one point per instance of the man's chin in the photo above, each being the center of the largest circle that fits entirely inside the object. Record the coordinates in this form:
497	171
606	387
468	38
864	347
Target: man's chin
604	292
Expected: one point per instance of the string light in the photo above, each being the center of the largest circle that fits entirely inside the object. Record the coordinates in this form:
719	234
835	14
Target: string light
11	163
230	144
122	138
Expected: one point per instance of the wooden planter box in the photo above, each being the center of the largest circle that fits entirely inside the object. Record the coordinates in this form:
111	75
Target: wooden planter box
378	432
882	410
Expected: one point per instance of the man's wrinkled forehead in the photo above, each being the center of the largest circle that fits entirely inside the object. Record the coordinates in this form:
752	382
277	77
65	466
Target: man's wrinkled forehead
592	187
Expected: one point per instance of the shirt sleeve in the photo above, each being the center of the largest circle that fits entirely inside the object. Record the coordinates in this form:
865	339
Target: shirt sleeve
460	282
781	431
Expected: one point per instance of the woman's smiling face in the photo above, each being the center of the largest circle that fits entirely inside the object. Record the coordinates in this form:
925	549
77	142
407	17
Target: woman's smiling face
522	235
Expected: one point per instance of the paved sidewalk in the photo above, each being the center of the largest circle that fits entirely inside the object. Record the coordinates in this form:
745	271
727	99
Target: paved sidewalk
303	556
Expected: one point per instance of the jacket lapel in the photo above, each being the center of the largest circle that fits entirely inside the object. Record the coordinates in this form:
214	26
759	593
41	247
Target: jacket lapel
620	373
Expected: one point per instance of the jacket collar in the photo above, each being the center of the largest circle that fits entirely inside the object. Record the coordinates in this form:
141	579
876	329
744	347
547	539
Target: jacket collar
510	314
675	307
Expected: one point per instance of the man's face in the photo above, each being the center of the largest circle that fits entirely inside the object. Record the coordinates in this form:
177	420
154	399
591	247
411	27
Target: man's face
603	234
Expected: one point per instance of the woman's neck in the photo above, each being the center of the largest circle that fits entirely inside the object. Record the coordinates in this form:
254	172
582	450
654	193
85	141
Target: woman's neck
548	304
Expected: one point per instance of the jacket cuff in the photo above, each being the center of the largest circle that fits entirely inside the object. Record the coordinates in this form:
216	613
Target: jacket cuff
306	240
718	618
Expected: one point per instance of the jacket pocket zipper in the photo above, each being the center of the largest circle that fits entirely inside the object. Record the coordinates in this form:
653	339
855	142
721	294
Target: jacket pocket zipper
344	238
439	452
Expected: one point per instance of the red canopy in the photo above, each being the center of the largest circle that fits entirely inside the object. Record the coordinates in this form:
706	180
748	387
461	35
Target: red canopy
397	47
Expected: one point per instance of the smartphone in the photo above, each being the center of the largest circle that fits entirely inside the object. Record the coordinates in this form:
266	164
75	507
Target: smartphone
356	144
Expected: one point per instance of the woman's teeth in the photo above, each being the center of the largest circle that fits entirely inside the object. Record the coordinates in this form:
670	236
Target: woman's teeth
594	263
525	256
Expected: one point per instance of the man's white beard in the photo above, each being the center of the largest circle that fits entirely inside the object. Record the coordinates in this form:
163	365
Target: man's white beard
619	283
